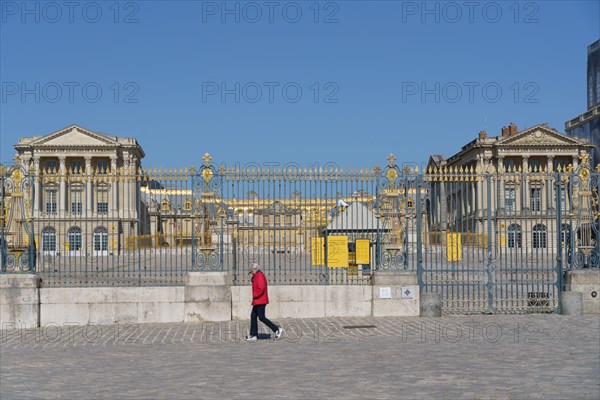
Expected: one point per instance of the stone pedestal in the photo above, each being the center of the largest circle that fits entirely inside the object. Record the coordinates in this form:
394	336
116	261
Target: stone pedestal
431	305
395	294
586	281
19	301
207	297
571	303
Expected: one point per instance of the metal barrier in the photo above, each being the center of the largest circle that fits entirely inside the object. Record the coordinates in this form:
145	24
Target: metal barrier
488	242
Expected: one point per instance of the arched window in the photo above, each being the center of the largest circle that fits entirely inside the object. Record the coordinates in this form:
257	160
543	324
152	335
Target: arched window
514	235
187	205
100	239
49	239
539	236
74	236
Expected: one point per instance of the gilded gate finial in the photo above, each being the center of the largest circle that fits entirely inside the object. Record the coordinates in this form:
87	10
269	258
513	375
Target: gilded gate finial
207	157
391	160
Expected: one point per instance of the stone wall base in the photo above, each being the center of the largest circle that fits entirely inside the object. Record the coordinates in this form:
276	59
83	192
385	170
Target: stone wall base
586	281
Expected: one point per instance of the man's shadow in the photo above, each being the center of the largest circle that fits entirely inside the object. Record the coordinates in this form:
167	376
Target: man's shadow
264	336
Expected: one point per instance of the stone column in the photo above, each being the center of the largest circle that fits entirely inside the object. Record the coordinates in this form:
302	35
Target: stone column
62	197
88	184
500	181
125	194
525	183
132	186
37	198
550	187
113	188
479	201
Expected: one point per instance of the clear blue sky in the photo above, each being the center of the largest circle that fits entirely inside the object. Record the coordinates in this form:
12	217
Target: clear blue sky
162	66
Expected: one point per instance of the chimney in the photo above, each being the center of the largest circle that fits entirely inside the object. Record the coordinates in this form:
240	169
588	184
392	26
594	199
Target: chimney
512	128
482	134
505	131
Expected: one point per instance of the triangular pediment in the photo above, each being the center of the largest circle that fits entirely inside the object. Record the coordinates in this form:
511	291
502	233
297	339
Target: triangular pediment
75	136
538	135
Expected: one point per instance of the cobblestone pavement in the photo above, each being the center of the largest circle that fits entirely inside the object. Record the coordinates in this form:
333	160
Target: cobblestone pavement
474	357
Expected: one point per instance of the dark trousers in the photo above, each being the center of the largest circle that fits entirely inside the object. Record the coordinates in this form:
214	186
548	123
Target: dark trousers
259	312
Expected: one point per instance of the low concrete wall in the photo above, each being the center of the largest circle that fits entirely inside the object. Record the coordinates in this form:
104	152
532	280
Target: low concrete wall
306	301
19	301
586	281
108	305
206	296
395	294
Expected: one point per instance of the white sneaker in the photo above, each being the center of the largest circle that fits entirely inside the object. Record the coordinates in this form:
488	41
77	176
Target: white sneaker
250	338
279	333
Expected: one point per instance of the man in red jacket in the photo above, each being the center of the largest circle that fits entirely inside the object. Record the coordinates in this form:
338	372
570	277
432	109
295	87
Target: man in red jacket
260	299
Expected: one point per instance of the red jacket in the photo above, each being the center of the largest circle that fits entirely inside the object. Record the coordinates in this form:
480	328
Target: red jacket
260	294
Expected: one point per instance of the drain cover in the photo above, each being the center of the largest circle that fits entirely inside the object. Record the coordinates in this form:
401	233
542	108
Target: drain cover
358	326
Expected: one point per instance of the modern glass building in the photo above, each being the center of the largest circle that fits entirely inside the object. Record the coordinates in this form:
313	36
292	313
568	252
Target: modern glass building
587	125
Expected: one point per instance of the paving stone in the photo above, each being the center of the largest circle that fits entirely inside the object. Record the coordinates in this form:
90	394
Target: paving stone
474	357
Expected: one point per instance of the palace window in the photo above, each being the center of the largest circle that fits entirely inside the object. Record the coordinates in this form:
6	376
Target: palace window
76	167
560	163
100	239
563	199
49	239
102	166
510	199
539	236
76	201
50	197
102	201
51	166
509	164
536	199
187	205
165	205
514	236
74	236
